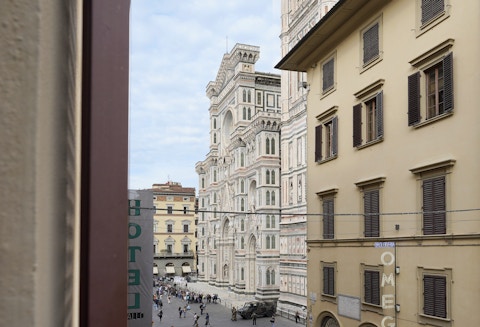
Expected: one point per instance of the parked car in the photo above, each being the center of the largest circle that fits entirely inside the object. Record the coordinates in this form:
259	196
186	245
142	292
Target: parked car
261	308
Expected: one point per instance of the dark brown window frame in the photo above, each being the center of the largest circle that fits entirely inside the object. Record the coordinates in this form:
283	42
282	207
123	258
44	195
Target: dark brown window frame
104	187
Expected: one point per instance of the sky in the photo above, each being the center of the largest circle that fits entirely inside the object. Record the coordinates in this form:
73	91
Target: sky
176	48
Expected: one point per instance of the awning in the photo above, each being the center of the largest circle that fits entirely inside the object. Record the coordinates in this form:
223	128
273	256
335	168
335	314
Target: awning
170	270
186	269
155	270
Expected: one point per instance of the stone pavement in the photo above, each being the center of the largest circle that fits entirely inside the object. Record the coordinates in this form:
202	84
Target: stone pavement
220	313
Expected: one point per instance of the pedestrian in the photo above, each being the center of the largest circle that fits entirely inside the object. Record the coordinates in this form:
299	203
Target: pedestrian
297	317
207	319
160	314
179	312
234	314
202	307
273	321
254	318
195	317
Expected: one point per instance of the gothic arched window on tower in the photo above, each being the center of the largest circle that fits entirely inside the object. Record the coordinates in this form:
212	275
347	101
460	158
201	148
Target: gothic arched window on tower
244	96
272	179
267	198
249	96
272	146
267	177
244	113
267	146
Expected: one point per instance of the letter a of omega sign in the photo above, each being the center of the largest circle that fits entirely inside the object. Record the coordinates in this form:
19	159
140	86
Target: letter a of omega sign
140	259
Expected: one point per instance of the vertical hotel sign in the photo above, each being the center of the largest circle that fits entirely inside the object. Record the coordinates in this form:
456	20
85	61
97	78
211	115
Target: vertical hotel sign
140	258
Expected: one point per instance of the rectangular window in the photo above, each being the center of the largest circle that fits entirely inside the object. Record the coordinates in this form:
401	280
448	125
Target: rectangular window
431	9
437	88
169	248
371	45
329	280
185	248
435	296
371	207
371	287
434	206
169	228
328	218
328	77
326	143
169	210
185	228
370	112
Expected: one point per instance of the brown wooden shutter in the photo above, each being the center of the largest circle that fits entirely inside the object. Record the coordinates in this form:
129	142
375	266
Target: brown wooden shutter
328	281
430	9
335	136
434	216
448	82
371	210
372	287
414	99
379	114
318	143
435	296
328	75
357	125
370	44
328	219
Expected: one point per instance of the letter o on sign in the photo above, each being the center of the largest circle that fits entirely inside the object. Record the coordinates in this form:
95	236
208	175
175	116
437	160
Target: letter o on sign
135	229
384	258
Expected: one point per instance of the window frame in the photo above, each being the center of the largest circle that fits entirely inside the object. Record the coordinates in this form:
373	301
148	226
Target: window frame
366	64
330	119
417	84
425	318
327	89
328	195
367	186
371	93
329	280
370	306
424	26
442	169
371	226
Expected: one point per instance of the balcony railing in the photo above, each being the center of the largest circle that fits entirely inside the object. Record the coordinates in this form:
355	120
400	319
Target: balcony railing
166	254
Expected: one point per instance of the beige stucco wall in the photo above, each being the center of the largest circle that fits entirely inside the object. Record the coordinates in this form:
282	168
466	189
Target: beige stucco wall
403	148
37	125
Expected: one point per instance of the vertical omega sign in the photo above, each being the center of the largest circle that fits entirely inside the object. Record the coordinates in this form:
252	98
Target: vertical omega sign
387	259
140	258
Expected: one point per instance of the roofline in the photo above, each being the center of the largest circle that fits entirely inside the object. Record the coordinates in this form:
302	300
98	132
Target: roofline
341	20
